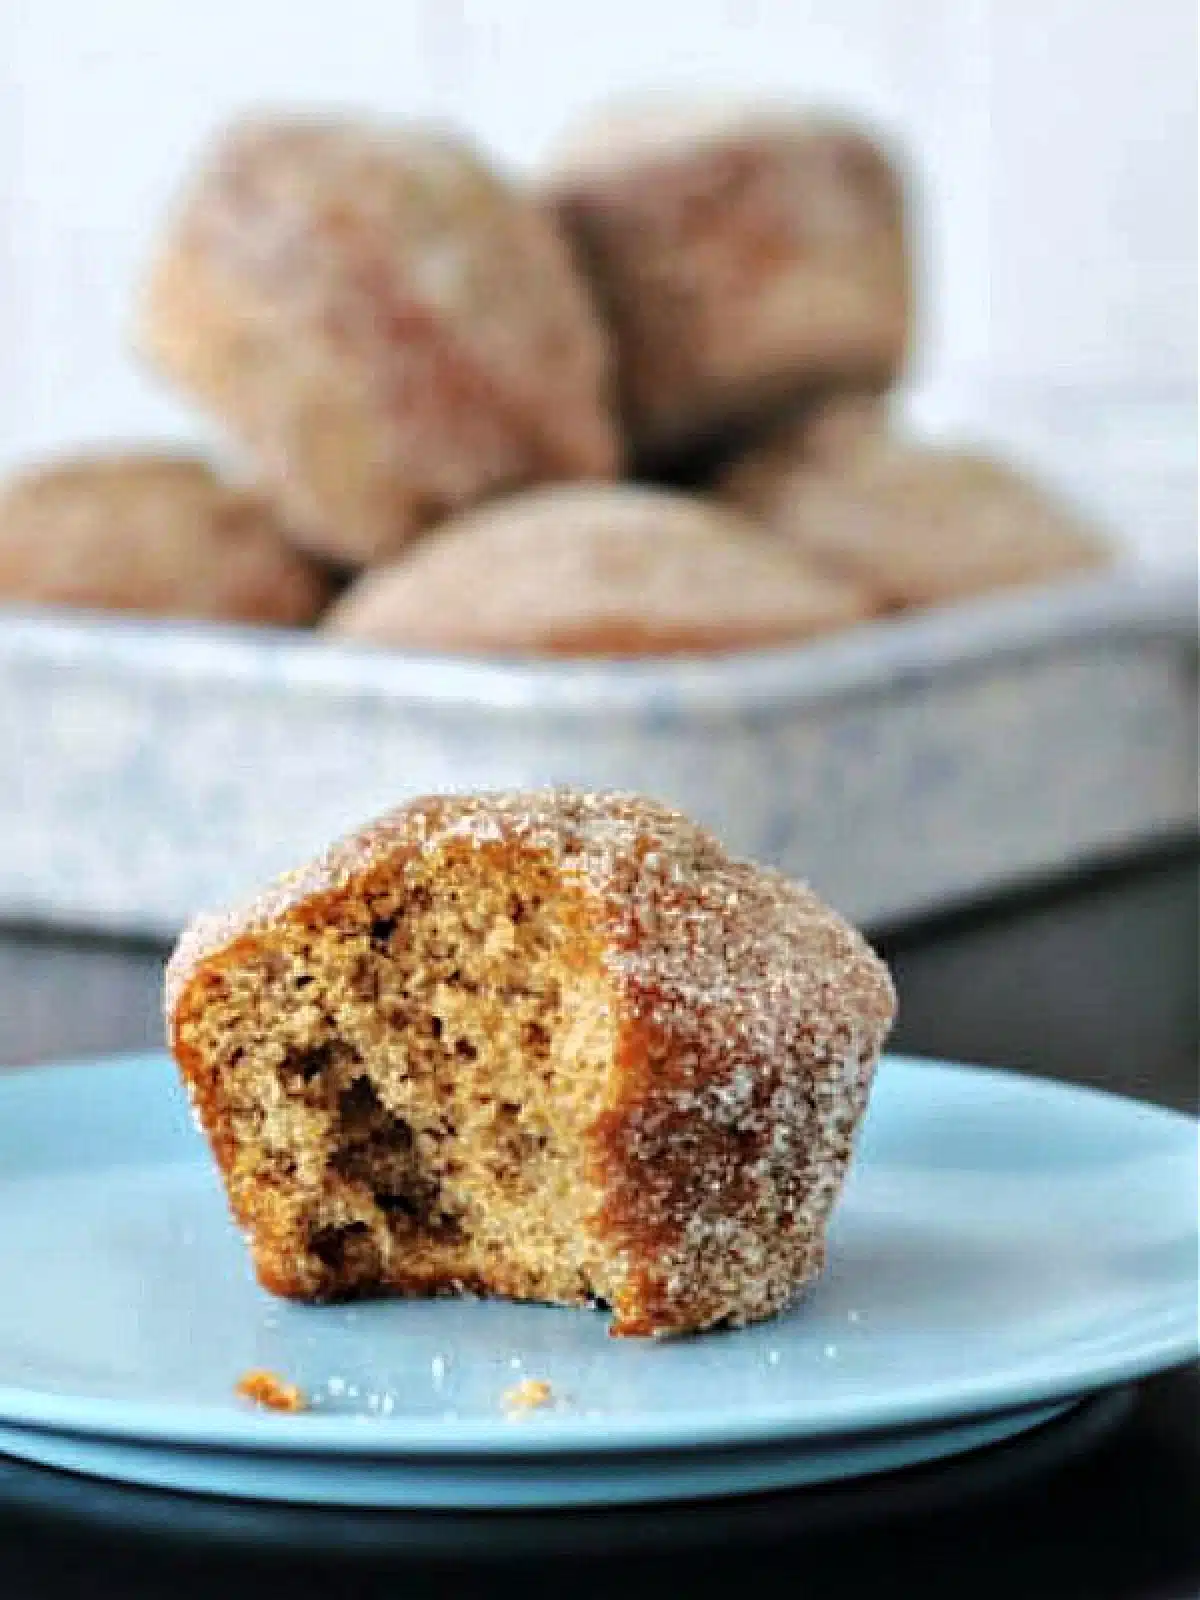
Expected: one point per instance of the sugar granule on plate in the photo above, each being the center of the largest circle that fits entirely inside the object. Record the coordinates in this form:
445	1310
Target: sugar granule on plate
269	1390
528	1395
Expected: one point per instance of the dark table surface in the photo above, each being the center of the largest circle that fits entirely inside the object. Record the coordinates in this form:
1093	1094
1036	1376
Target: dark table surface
1094	982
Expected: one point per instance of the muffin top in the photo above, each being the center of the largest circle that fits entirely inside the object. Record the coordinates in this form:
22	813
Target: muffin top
917	526
353	233
822	433
724	940
591	570
161	534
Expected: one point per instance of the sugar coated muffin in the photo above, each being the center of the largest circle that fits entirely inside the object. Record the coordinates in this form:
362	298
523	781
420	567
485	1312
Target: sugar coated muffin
823	433
917	526
151	533
391	329
743	257
596	570
555	1046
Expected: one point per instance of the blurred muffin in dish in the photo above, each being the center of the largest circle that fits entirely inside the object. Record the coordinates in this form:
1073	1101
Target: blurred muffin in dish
152	533
743	257
918	526
595	570
387	326
824	433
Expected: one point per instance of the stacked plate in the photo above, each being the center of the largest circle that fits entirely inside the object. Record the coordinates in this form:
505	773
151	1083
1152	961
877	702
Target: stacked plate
1005	1247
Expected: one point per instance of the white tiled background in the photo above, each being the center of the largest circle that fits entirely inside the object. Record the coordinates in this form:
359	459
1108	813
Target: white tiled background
1054	141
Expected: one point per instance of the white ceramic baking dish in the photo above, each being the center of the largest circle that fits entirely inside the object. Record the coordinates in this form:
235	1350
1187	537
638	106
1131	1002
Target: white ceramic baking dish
152	768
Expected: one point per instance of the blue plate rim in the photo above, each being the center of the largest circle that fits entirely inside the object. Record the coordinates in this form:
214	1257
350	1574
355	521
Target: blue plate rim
591	1480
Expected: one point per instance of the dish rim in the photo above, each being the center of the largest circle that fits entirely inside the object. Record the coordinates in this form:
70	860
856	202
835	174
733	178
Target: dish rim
914	647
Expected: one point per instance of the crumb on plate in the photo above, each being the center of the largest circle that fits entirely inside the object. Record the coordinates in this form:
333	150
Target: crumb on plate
527	1395
269	1390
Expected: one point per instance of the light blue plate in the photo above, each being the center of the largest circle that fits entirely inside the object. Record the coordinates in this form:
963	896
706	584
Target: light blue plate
1003	1245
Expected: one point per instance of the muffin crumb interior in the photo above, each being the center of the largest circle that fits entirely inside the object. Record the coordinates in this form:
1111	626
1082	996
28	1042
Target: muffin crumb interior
410	1082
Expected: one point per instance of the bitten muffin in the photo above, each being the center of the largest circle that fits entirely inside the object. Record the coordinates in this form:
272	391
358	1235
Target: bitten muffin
612	570
554	1046
917	526
743	258
390	328
151	533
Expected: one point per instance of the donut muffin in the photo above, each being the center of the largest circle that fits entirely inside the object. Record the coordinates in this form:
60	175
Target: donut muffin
824	433
389	328
152	533
916	526
615	570
554	1046
743	258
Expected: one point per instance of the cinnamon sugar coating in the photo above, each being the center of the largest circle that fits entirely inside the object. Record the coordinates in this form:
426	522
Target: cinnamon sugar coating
389	327
743	258
158	534
551	1045
597	570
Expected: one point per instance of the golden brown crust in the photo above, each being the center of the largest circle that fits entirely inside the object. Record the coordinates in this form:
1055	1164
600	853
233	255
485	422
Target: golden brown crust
595	570
741	260
151	533
750	1018
917	526
390	328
